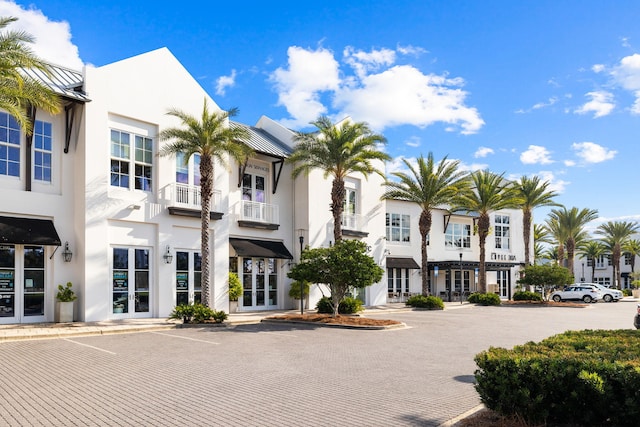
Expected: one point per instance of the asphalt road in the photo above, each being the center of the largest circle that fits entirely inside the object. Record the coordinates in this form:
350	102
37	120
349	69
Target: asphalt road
276	374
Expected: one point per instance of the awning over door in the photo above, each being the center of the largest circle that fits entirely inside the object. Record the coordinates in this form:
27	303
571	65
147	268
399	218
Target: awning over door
394	262
28	231
260	248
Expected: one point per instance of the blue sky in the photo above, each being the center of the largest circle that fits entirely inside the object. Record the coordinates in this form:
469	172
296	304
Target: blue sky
548	88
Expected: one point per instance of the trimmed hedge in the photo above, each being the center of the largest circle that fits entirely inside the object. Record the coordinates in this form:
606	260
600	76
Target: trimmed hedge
197	313
526	296
347	306
421	301
578	377
484	299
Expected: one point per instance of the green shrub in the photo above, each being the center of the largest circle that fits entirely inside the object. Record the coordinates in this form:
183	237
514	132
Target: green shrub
526	296
197	313
421	301
627	292
576	378
347	306
65	293
235	287
484	299
294	289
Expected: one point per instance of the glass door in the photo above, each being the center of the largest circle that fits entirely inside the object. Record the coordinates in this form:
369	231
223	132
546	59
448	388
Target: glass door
503	283
22	284
259	283
130	283
188	277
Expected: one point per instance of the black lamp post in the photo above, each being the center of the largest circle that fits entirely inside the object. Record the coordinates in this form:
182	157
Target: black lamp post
582	278
461	281
301	239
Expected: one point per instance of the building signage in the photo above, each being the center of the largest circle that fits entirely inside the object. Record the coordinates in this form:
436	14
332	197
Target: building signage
502	257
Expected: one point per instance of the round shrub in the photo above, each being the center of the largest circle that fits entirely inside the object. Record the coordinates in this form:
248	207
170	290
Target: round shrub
484	299
627	292
526	296
421	301
347	306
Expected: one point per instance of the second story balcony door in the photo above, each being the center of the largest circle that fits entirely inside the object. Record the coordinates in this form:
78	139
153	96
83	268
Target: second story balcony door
254	197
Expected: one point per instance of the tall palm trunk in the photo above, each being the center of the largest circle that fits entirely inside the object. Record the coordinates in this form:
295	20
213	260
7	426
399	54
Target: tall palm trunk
561	254
206	189
484	223
337	207
425	227
571	247
526	235
617	276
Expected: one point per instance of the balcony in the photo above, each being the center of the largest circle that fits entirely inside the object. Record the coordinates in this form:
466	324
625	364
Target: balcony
353	225
258	215
185	200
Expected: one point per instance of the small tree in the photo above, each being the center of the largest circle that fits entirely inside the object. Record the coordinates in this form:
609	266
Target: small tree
341	266
547	276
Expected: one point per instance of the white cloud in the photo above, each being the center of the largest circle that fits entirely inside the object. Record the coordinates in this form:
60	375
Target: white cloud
597	68
223	82
601	104
414	141
590	152
411	50
555	184
397	165
569	163
483	152
539	105
536	154
53	39
309	73
377	91
627	73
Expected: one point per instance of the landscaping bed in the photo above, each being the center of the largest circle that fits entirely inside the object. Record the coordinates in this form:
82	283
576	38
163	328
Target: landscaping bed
338	320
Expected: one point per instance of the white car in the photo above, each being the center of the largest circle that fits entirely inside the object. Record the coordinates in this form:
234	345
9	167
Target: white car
577	292
606	294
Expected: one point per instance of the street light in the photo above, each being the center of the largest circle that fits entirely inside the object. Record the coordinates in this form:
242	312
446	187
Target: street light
301	239
461	281
582	278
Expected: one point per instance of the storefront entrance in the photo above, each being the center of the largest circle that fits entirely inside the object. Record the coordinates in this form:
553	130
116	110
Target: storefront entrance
22	284
130	283
259	283
188	277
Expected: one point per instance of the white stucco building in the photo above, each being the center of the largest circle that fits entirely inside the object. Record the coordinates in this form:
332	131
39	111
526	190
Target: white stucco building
90	183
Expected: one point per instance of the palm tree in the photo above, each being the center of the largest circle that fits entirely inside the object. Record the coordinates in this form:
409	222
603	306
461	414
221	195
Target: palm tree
18	92
571	223
488	192
615	235
213	139
592	250
551	254
540	235
632	247
532	194
337	150
429	186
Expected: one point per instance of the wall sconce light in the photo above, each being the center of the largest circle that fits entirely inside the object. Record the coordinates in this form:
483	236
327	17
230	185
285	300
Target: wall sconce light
67	254
134	207
387	252
168	256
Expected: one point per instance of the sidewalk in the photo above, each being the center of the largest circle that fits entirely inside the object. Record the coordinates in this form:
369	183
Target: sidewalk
29	331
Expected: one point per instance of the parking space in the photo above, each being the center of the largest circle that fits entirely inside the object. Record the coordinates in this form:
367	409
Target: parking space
276	374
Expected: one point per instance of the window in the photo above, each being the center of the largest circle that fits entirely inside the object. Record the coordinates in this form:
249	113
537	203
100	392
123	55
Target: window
605	281
601	261
627	259
457	236
9	146
188	172
502	231
42	151
121	160
398	227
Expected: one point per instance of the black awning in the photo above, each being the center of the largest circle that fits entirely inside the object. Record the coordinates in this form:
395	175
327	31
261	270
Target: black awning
393	262
260	248
28	231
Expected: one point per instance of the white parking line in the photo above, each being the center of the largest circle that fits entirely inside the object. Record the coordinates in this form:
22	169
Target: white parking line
282	334
90	346
184	338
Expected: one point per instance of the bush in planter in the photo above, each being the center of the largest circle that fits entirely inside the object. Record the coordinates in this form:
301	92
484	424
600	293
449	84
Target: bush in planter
65	293
484	299
627	292
197	313
235	287
526	296
294	290
347	306
421	301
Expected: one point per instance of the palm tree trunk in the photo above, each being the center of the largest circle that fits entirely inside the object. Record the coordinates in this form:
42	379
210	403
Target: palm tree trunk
206	192
337	207
526	235
571	246
484	222
616	266
425	227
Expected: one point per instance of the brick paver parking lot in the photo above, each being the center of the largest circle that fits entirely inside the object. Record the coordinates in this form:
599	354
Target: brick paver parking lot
275	374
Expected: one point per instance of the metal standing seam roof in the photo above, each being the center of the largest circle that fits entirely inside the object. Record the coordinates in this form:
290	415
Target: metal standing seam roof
63	81
263	143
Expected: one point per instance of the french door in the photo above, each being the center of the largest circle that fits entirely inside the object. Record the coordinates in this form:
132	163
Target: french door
188	277
22	284
259	283
130	288
503	283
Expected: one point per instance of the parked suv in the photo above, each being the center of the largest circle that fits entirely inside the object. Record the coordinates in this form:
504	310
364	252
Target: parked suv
606	294
577	292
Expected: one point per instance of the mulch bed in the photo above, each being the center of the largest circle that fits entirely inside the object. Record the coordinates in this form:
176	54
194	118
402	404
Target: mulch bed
338	320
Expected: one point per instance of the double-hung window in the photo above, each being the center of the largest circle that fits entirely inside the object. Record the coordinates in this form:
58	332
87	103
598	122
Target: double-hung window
42	151
9	146
131	161
398	227
457	235
502	231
